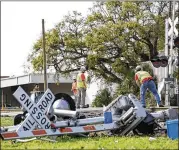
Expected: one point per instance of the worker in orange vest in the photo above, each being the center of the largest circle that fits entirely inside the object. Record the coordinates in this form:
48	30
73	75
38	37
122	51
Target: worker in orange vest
145	81
74	89
81	86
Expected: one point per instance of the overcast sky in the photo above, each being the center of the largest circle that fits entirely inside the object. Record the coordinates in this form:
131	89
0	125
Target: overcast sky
21	27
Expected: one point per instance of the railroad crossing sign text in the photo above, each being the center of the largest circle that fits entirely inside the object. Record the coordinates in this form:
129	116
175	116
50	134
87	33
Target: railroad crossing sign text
36	111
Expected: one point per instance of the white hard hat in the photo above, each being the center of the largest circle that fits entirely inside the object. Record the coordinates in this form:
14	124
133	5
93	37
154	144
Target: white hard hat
74	77
82	68
138	68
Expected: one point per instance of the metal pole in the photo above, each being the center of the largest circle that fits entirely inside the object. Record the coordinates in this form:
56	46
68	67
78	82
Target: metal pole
170	9
167	68
171	54
2	100
171	41
44	57
166	45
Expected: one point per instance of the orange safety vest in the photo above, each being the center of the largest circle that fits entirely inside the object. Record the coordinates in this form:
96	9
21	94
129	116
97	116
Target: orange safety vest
143	76
74	87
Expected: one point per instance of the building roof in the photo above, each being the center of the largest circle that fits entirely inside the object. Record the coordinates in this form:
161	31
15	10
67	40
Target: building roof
32	78
3	77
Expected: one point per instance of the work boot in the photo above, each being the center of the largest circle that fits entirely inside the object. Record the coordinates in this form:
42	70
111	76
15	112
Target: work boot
161	105
86	106
82	106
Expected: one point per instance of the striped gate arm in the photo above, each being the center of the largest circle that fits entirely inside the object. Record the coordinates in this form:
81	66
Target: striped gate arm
58	131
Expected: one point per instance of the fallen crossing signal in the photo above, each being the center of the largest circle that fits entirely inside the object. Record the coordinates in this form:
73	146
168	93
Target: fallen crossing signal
37	111
131	117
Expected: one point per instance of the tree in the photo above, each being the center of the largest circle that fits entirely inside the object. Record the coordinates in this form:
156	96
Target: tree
111	41
124	34
65	45
102	98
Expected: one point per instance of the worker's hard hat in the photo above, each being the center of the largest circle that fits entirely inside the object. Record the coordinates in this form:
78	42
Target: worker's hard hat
138	68
74	77
82	68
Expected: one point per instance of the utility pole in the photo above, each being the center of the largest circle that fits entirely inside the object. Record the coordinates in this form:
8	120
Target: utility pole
2	100
44	57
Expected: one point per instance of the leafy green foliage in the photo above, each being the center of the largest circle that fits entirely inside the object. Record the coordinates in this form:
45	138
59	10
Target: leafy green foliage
176	74
6	121
65	46
102	98
110	41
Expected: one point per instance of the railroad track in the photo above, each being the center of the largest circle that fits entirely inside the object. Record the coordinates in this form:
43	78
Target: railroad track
79	110
95	109
10	110
87	111
152	109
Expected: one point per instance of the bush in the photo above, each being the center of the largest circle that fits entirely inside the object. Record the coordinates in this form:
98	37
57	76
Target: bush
102	98
127	85
176	74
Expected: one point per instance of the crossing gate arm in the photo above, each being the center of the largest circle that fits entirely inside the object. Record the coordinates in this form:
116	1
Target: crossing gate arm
58	131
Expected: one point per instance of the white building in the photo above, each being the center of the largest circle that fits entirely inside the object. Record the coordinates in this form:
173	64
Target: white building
27	82
10	84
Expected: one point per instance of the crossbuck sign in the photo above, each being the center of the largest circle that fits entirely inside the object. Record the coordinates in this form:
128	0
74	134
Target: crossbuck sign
36	112
173	28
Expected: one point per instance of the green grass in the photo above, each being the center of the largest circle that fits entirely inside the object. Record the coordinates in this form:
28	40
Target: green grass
103	142
6	121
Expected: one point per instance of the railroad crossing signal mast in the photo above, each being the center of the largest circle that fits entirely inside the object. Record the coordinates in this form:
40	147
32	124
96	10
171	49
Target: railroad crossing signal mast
170	60
170	35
